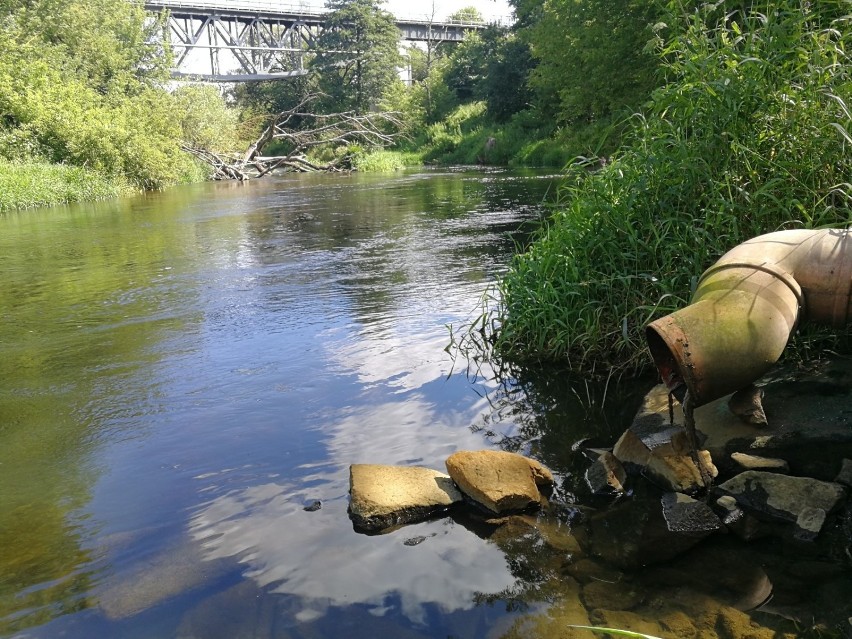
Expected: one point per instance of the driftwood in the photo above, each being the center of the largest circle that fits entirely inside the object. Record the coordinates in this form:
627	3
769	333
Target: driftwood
300	131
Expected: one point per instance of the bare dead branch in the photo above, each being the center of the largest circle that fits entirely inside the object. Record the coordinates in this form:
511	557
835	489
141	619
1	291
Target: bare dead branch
300	130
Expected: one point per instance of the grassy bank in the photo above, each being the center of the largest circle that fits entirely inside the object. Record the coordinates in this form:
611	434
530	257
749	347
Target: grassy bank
32	184
750	135
385	161
468	136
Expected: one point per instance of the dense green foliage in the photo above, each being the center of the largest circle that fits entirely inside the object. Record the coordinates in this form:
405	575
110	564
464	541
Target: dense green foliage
750	134
594	61
83	84
358	55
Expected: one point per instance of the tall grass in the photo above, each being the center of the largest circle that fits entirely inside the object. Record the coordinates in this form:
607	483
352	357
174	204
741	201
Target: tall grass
750	134
469	136
385	161
33	184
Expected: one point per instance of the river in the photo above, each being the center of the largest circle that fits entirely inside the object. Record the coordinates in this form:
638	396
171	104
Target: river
183	373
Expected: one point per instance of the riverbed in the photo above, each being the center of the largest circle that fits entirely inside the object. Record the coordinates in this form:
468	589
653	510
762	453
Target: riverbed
187	377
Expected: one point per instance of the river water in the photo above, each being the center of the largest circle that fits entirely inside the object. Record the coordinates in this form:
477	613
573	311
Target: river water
184	372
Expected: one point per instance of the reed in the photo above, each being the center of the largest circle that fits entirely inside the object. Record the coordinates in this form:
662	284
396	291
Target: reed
750	134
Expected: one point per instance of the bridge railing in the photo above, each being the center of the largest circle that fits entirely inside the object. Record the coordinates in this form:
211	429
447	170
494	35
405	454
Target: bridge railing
303	9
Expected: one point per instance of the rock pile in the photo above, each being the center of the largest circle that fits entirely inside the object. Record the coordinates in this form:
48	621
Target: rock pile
498	482
775	461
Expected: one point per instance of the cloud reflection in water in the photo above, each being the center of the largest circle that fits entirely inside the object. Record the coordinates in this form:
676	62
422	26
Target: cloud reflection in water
319	558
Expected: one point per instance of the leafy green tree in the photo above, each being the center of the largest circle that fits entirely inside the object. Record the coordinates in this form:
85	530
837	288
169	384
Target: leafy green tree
110	43
359	55
207	122
492	65
467	15
81	85
593	55
504	86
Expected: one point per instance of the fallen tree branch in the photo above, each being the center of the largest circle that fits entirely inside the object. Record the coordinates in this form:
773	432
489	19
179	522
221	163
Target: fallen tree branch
301	130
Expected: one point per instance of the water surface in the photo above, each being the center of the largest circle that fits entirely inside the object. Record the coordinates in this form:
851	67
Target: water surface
184	372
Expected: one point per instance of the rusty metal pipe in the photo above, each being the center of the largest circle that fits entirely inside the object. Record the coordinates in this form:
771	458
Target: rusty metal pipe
747	305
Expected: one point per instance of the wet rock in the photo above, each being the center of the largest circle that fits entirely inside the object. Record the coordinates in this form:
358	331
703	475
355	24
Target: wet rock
683	514
664	457
649	528
845	475
809	523
734	624
678	624
414	541
500	481
738	521
747	404
786	499
754	462
384	496
314	506
606	476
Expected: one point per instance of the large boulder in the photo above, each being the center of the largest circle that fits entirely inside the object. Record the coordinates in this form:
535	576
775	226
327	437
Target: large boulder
802	501
384	496
502	482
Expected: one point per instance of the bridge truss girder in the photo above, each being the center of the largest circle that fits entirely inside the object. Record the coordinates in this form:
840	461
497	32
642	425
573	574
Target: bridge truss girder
262	47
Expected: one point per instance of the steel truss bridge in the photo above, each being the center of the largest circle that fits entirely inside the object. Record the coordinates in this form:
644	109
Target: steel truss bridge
246	40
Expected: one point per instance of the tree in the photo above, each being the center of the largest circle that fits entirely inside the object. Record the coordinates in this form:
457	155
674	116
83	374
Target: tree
504	86
297	131
359	55
491	65
81	84
467	15
593	58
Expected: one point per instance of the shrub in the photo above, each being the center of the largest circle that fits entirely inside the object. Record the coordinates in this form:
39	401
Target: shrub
749	135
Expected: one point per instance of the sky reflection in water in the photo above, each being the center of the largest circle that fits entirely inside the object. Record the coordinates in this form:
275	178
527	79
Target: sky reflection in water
219	356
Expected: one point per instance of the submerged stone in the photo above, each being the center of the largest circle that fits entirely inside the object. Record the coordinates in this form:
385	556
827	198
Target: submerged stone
606	476
174	571
649	528
755	462
500	481
845	475
785	499
383	496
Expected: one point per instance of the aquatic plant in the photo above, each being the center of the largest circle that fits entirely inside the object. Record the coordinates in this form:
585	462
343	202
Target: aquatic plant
750	134
615	631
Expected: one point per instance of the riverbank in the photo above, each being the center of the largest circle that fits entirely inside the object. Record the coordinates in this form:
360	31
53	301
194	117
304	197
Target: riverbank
27	185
